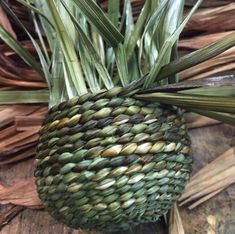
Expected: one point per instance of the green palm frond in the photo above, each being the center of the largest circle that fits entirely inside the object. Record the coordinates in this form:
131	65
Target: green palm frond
106	49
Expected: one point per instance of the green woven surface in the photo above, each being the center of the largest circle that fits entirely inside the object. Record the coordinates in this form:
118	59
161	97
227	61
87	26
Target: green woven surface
109	161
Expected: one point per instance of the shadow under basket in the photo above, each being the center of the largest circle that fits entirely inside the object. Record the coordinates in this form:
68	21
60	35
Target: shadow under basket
108	161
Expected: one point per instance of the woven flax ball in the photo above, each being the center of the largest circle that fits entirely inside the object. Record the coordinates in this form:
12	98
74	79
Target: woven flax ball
110	161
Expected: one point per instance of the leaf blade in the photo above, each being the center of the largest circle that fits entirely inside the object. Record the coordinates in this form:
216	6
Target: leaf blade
198	56
153	75
24	97
92	52
71	59
137	30
223	117
23	53
97	17
121	62
201	102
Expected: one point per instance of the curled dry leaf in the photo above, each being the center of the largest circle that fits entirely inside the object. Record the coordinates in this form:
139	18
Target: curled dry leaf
22	193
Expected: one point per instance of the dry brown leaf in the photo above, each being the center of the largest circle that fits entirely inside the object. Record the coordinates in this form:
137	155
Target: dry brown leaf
218	64
6	23
21	136
22	193
194	120
201	70
7	132
202	121
221	180
211	67
27	152
18	83
8	113
198	42
224	160
210	180
209	3
27	123
215	70
20	125
16	153
205	198
27	44
9	68
214	19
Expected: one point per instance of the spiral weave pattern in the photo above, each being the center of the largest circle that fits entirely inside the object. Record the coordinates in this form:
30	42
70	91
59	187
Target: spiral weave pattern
109	161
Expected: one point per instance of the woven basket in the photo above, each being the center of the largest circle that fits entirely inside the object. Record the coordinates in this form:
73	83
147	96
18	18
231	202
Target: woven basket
109	161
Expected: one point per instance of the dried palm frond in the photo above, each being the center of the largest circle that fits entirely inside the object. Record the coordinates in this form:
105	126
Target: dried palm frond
210	180
22	194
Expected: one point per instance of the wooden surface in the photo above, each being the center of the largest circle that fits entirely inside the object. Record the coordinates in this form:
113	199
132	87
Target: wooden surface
217	214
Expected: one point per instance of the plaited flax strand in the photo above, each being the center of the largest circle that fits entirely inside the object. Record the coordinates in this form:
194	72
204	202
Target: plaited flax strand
109	161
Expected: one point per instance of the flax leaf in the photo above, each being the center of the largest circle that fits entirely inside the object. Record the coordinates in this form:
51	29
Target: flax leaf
68	49
201	102
136	34
169	43
198	56
121	62
21	97
97	17
19	49
92	52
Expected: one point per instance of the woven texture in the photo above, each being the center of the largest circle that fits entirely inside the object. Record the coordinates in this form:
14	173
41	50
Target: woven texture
109	161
